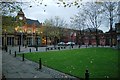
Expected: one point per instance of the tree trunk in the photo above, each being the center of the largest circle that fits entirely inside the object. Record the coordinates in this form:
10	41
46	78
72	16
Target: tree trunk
96	37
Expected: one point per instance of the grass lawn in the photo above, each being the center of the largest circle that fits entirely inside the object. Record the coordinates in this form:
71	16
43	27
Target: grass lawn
100	62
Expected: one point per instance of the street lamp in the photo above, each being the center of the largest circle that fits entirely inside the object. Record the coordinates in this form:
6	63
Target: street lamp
33	34
46	35
21	37
21	34
25	31
46	39
20	18
5	40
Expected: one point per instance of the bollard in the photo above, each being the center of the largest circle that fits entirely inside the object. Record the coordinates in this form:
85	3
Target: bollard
40	64
51	48
36	48
9	51
15	54
72	46
86	75
3	77
59	48
30	49
19	48
22	57
55	48
6	48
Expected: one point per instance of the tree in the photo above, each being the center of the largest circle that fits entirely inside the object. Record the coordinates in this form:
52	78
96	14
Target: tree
55	22
94	17
55	25
110	10
13	6
79	22
9	7
68	3
90	15
8	23
54	28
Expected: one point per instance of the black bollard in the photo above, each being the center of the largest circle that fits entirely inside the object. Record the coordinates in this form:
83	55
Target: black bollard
72	46
30	49
3	77
40	64
59	48
9	51
36	48
19	48
22	57
6	48
86	75
55	48
51	48
15	54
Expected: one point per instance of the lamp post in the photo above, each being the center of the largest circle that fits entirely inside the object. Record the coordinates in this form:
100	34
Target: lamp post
36	42
25	31
41	38
5	40
21	38
33	34
21	33
46	39
46	36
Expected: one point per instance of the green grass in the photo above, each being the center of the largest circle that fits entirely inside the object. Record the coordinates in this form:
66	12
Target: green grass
100	62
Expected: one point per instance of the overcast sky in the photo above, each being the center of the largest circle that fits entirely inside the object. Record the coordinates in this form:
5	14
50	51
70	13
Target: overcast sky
41	13
52	9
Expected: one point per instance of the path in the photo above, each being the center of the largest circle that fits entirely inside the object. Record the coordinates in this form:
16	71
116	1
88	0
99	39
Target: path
14	67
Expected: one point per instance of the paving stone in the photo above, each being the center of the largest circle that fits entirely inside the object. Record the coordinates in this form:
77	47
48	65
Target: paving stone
14	67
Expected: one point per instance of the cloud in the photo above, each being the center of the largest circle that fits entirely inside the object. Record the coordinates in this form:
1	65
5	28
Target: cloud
41	12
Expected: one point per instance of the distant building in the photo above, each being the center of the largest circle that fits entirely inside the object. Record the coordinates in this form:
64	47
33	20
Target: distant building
32	32
90	36
117	25
25	33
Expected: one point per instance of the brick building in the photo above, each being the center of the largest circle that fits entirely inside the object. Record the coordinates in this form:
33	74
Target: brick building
32	32
25	32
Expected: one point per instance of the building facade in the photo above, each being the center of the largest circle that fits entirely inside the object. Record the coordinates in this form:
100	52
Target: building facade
30	32
26	32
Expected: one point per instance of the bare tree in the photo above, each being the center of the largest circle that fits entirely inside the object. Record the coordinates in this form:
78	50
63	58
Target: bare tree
90	16
79	21
110	10
55	26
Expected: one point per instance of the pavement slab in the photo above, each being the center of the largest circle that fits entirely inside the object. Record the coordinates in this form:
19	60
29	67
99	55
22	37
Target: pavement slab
14	67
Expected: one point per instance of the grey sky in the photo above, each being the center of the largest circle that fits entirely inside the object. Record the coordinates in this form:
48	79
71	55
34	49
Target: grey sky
42	13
